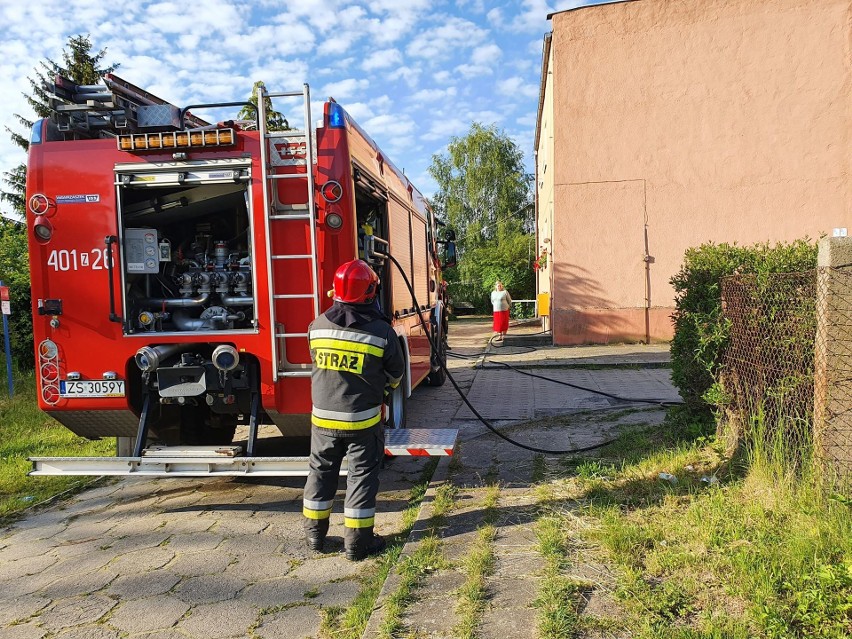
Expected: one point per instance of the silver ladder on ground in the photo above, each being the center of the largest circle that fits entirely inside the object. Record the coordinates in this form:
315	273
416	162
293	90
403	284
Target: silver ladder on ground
228	461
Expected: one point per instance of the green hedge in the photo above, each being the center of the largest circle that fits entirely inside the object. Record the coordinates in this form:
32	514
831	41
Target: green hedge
15	273
701	331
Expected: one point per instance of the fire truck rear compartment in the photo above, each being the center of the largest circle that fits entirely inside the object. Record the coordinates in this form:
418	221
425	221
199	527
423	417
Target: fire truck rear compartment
187	258
186	267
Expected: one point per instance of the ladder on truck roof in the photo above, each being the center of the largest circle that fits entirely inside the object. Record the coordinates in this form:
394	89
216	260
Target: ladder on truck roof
109	109
228	461
277	215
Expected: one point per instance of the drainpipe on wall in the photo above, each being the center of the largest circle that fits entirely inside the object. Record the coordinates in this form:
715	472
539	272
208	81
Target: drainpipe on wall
648	261
535	213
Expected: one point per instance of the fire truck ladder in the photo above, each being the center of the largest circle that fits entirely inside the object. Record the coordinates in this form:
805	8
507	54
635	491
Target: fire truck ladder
281	214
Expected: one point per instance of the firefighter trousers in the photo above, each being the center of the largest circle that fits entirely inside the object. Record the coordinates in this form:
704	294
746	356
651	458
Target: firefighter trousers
364	453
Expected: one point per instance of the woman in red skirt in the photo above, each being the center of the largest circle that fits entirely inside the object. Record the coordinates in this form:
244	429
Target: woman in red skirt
501	302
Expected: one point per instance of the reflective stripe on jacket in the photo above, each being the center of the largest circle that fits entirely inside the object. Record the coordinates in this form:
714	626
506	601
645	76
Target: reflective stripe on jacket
351	368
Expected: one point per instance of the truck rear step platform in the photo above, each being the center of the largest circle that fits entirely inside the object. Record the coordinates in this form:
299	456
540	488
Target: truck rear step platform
228	461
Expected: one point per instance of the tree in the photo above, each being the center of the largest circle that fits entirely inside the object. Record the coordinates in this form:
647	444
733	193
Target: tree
82	66
482	187
15	273
484	195
78	64
275	121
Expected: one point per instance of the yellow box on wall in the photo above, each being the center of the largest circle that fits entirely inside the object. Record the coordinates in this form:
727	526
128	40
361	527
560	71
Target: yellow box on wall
544	304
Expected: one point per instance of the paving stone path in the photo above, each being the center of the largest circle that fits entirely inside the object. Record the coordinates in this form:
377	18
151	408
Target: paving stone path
224	558
194	558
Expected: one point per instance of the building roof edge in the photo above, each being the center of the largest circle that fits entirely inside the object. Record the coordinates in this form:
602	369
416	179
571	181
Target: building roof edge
588	6
545	62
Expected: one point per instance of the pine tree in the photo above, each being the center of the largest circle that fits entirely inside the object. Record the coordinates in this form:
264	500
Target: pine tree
82	66
79	64
275	120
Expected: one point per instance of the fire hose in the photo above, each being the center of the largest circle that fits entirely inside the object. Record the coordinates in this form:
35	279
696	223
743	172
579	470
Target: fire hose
430	333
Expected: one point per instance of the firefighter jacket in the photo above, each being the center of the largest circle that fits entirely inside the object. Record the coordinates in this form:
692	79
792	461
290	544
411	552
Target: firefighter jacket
352	367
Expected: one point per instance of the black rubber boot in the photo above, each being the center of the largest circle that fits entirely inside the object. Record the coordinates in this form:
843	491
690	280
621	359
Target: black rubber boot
315	532
362	543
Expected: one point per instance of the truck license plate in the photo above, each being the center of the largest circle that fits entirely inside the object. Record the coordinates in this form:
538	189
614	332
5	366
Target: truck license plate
92	388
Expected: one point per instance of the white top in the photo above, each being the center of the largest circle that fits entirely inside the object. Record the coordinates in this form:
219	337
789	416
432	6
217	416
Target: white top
500	300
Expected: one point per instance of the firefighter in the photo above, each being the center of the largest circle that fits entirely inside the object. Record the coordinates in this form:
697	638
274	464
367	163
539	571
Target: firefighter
356	360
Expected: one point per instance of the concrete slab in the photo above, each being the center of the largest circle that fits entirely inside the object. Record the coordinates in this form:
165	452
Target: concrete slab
218	620
209	589
76	611
24	631
89	632
299	622
154	613
20	608
434	614
500	393
140	586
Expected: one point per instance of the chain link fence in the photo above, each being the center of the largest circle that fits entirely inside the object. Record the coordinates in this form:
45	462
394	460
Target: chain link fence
787	368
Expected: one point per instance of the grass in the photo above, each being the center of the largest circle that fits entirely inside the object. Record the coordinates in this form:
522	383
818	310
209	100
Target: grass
558	596
478	565
425	559
25	431
766	553
350	622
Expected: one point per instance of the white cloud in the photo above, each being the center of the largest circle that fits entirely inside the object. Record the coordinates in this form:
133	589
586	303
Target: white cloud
487	54
443	41
476	6
442	129
533	14
433	95
525	66
483	60
345	88
338	43
517	86
172	17
395	19
473	70
382	59
278	74
381	103
389	126
409	75
495	18
359	110
485	117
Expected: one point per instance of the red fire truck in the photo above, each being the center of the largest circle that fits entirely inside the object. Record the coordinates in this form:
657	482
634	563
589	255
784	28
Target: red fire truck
176	265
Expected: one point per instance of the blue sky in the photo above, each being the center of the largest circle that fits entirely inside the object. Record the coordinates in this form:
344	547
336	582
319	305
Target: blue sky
413	73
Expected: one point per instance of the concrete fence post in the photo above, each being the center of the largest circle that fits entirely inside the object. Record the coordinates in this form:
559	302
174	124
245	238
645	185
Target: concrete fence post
833	359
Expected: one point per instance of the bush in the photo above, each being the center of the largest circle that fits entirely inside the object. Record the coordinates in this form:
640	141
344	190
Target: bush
506	259
15	273
701	331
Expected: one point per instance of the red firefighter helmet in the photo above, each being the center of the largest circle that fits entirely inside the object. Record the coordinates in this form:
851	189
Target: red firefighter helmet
355	283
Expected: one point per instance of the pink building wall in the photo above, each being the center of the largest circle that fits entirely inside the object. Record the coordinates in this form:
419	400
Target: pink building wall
679	122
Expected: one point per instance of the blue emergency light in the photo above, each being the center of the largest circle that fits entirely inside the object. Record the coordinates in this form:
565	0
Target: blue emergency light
336	116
